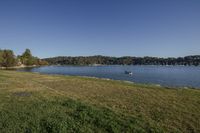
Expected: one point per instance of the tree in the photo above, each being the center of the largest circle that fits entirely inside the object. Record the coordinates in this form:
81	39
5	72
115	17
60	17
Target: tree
1	57
8	58
27	58
27	53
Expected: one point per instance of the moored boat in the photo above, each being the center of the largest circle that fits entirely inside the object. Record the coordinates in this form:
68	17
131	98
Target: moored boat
128	72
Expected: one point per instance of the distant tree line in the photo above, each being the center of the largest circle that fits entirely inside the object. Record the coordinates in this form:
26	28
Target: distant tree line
105	60
8	59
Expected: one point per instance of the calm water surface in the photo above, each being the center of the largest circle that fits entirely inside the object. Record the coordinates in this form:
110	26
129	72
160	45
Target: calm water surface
181	76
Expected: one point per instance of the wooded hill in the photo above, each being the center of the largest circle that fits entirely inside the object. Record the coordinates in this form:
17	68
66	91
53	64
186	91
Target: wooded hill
105	60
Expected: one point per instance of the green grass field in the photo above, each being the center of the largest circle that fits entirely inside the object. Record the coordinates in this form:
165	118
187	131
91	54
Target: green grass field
46	103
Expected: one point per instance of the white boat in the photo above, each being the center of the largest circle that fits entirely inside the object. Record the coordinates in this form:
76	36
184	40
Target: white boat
128	72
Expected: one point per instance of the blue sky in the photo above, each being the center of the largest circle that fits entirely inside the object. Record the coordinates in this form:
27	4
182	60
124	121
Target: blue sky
163	28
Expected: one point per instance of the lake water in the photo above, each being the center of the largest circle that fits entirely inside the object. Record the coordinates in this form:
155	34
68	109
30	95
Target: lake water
173	76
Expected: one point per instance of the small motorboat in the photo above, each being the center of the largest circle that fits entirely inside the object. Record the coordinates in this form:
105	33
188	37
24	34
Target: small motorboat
128	72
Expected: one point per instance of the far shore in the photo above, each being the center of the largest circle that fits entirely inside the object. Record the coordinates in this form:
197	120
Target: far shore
18	67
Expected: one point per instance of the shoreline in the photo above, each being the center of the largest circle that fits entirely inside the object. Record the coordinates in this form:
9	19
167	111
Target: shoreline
130	82
17	67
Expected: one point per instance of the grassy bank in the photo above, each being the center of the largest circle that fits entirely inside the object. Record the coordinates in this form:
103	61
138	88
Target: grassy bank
45	103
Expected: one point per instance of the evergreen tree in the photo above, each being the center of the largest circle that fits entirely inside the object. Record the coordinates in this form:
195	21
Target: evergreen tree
27	58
